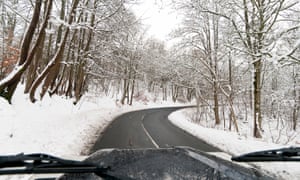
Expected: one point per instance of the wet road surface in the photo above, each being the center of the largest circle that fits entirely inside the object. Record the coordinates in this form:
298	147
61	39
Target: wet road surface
147	129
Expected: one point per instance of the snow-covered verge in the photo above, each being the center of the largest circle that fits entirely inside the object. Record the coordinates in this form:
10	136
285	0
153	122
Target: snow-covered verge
235	144
55	125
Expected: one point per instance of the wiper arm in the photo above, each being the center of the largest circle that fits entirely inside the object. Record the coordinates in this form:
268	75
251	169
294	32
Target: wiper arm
283	154
44	163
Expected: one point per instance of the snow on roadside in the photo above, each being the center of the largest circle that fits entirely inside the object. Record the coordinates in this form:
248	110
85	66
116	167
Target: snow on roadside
55	125
234	144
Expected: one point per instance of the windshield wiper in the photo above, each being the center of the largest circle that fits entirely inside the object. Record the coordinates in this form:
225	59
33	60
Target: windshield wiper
283	154
46	164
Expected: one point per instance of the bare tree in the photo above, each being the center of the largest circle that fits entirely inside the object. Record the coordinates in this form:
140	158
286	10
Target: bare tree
57	57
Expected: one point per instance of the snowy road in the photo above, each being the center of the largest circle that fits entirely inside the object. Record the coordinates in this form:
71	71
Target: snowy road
147	129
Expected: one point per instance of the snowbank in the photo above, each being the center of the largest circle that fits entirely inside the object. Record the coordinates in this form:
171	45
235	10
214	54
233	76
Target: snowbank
53	126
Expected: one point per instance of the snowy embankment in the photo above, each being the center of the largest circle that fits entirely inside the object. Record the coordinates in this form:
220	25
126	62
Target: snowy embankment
234	144
55	125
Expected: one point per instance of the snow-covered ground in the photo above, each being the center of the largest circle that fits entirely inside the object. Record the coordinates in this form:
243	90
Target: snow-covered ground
235	144
55	125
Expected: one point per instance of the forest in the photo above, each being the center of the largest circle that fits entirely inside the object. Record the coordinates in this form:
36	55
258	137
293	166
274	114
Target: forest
238	60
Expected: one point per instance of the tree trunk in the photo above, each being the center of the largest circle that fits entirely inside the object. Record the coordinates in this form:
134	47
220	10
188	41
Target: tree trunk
32	71
57	57
164	91
70	82
133	85
54	90
231	116
257	99
79	83
296	107
125	88
49	54
216	104
174	92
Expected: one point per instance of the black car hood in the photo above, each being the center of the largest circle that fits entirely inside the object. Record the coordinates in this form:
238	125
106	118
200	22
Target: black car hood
168	163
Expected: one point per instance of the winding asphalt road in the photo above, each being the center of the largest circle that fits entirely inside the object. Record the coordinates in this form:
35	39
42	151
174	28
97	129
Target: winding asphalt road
147	129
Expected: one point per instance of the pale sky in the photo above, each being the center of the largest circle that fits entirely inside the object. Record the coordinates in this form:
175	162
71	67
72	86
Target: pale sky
158	15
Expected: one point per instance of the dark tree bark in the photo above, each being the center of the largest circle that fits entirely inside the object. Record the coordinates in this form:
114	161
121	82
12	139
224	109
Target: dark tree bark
32	70
296	95
57	57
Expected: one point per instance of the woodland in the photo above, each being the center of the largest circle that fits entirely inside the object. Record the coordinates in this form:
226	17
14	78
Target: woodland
238	60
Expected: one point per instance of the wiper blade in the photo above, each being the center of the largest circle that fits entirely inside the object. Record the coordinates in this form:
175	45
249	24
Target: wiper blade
44	163
282	154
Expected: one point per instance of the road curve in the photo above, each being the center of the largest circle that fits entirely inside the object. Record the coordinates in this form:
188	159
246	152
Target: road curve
147	129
